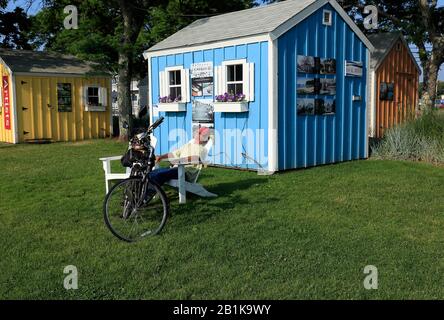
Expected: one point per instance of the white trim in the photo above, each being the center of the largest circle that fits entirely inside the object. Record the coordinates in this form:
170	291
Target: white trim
150	95
174	68
211	45
231	62
369	94
371	103
328	23
15	137
273	150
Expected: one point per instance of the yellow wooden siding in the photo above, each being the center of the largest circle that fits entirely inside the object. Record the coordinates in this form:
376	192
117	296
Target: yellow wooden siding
39	116
6	135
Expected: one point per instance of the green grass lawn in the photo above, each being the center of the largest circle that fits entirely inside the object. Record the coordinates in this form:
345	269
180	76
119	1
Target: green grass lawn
303	234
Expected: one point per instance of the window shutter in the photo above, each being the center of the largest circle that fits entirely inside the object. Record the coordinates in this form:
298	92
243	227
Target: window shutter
85	96
220	80
246	79
251	81
185	84
163	84
103	96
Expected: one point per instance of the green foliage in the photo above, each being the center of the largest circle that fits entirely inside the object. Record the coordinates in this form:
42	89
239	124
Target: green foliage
15	29
305	234
417	140
99	37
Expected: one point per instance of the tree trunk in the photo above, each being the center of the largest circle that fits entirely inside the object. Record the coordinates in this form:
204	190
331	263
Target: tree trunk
124	95
431	72
131	29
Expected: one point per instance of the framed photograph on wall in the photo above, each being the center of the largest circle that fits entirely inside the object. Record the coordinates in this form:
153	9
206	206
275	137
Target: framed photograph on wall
306	86
305	107
328	87
308	64
325	106
383	91
328	66
203	111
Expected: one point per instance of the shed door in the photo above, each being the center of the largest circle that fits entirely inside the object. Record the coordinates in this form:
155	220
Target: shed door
24	106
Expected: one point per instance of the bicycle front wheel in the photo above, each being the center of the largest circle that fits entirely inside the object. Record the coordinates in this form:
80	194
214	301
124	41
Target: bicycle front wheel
134	210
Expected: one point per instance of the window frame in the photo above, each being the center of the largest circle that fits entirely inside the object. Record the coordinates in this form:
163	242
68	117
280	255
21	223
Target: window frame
229	63
176	69
328	22
88	96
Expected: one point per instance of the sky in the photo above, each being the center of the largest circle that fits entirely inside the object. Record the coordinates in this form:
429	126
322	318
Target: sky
37	4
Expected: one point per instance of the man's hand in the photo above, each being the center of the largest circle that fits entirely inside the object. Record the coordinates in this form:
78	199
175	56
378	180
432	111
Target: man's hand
158	159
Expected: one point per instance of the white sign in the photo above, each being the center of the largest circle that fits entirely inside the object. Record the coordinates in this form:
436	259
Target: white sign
354	68
201	70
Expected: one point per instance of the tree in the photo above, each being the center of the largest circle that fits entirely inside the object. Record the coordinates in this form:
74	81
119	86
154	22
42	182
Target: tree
14	28
421	21
115	33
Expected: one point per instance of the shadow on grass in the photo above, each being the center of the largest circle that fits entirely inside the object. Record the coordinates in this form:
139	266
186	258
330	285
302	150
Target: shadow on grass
198	210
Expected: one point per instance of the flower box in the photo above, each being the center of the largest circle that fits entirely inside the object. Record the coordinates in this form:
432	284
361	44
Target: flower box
241	106
172	107
89	108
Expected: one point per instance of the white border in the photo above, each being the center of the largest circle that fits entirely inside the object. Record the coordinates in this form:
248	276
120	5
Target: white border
15	137
273	156
330	22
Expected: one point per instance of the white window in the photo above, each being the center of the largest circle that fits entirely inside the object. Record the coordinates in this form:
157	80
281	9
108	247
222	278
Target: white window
95	96
327	18
174	84
235	77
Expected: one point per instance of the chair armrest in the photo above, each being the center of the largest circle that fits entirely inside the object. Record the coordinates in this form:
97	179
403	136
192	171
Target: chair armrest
111	158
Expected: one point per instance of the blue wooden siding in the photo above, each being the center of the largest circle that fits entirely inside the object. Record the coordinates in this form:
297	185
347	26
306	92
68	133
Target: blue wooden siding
306	141
224	152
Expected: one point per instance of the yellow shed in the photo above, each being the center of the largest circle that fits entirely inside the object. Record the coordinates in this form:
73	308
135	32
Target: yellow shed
52	97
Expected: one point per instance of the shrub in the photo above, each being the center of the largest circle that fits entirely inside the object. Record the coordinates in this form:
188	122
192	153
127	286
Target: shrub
417	140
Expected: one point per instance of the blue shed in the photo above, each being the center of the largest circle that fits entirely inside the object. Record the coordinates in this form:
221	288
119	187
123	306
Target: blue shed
283	85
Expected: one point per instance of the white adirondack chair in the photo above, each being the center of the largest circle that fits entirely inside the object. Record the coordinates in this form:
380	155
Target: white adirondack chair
192	186
183	185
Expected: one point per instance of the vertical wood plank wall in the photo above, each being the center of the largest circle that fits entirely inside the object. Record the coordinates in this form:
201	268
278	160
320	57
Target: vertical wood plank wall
397	68
306	141
228	149
39	96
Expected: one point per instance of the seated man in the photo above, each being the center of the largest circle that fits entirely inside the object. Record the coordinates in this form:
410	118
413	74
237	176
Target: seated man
192	152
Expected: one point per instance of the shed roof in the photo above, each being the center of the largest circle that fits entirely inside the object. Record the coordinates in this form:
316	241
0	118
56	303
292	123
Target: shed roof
47	63
384	43
250	22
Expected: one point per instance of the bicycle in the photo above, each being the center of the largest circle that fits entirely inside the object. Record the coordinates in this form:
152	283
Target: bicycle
136	208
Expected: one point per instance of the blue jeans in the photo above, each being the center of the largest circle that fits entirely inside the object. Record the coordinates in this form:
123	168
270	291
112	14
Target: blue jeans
160	176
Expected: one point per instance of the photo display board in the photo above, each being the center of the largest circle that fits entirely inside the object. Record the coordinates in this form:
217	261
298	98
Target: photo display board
315	85
202	79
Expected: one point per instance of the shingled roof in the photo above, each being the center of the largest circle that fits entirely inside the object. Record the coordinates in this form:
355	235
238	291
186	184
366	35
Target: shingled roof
47	62
250	22
383	43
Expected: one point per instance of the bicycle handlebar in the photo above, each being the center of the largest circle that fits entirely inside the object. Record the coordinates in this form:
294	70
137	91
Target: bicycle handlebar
156	124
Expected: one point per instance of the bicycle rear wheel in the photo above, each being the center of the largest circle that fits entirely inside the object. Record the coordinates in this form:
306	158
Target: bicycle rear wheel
131	213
